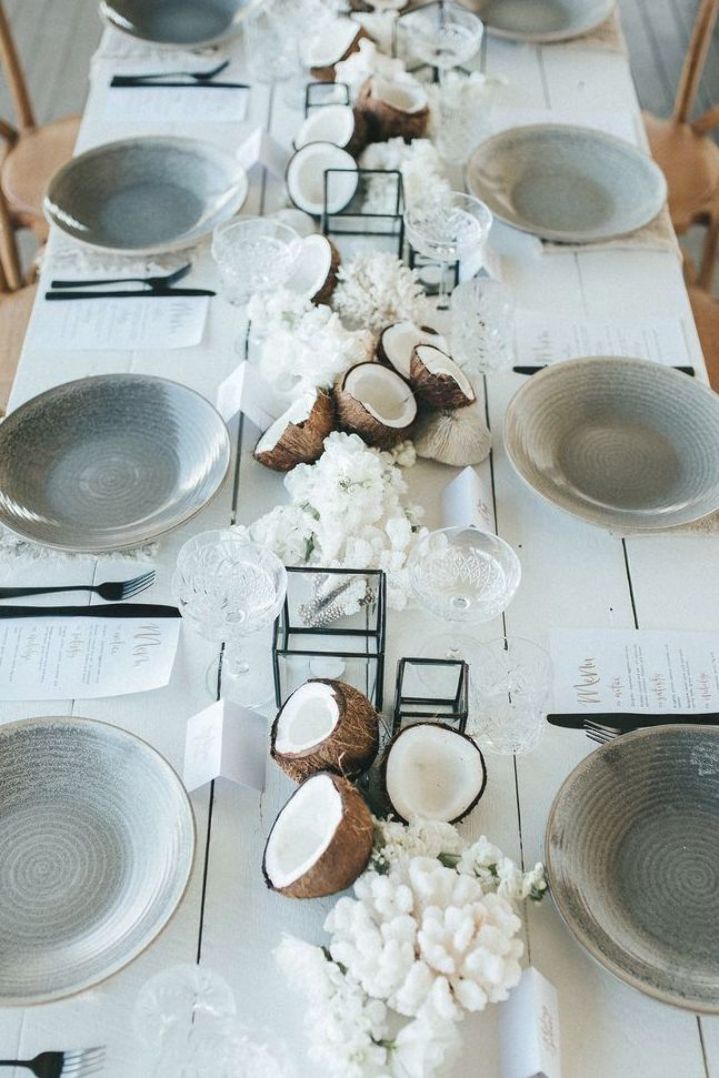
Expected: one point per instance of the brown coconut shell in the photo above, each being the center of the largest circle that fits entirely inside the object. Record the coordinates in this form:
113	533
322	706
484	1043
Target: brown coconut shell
381	351
347	855
301	443
354	417
385	121
324	294
360	136
327	73
383	768
437	390
350	748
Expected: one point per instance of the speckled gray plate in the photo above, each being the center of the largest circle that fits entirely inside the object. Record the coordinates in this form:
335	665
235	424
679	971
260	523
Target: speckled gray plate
566	183
179	23
541	20
144	195
109	462
97	840
623	443
632	857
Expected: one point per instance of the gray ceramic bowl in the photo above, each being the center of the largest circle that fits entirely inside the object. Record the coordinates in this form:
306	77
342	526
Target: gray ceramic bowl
632	857
541	20
109	462
144	195
97	840
622	443
179	23
566	183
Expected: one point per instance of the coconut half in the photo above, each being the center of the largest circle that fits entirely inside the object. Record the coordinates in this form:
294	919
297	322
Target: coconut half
393	108
325	726
315	269
337	41
432	772
338	124
305	178
321	840
398	341
374	402
297	436
438	380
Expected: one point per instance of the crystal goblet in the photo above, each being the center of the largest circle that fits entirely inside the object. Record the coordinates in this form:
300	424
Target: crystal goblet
482	333
443	35
230	590
253	254
448	228
509	682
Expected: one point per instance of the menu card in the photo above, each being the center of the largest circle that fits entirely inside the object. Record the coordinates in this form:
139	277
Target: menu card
181	104
543	338
127	323
54	658
599	670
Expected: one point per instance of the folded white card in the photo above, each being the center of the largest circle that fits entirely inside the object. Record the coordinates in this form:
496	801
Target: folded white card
529	1029
260	150
543	338
134	322
467	502
58	658
246	391
226	741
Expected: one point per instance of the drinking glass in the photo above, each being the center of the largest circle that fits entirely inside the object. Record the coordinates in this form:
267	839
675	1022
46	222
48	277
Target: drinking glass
482	333
230	590
253	254
509	682
448	228
443	35
277	34
465	576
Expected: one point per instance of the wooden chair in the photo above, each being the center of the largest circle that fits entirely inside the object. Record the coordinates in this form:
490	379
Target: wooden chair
16	300
685	151
706	315
29	154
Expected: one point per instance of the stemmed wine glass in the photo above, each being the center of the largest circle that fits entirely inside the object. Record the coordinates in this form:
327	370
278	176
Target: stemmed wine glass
443	35
231	590
448	228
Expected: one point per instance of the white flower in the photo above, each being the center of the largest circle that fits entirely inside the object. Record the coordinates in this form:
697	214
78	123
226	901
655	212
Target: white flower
421	1048
377	289
288	530
421	167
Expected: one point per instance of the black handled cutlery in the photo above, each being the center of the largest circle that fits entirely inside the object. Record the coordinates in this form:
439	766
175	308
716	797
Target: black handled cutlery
105	610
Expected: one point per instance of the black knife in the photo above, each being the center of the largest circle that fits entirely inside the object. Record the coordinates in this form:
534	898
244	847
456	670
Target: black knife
534	370
130	81
153	293
106	610
621	719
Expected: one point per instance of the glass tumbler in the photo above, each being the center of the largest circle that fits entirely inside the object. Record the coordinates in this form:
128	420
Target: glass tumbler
509	683
482	325
253	254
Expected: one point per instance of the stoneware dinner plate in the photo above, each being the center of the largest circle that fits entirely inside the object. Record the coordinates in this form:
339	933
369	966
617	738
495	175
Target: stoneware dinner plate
541	20
627	444
147	194
565	183
179	23
97	840
632	859
109	462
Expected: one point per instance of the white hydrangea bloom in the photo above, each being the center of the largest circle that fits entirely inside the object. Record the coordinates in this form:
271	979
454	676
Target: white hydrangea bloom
421	167
377	289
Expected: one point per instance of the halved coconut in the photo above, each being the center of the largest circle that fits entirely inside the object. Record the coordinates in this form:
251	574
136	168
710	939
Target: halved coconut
374	402
321	840
398	341
432	772
297	437
438	380
315	270
336	42
338	124
393	108
325	726
305	178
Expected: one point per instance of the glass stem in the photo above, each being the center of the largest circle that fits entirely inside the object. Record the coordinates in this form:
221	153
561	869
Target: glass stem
234	661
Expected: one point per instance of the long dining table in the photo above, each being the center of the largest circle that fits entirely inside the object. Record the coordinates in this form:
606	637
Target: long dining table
574	576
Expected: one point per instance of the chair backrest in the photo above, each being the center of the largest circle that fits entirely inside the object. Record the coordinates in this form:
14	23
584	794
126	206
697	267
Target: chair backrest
695	59
10	63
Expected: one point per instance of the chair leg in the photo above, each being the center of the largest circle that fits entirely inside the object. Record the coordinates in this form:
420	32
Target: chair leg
9	256
709	255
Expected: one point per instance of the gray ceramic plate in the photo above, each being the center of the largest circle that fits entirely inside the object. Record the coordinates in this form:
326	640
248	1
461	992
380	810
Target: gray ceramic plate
108	462
97	841
566	183
183	23
622	443
541	20
144	195
632	858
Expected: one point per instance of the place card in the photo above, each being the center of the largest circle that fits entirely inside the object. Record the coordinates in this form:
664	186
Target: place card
59	658
227	741
246	391
544	337
529	1029
124	324
177	104
467	502
260	150
598	670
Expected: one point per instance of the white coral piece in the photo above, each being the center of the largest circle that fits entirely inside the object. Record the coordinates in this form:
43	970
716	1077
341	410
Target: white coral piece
421	167
377	289
369	60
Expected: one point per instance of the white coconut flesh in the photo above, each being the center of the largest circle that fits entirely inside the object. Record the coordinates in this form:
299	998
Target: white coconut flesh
400	340
331	123
297	413
306	177
307	719
312	266
438	363
303	831
433	773
400	96
383	394
331	45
